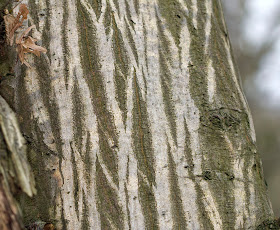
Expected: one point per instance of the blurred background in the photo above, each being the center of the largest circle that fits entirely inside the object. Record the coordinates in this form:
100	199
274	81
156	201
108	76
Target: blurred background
254	30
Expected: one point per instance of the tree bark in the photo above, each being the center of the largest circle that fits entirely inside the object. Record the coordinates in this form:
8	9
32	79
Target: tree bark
135	118
15	173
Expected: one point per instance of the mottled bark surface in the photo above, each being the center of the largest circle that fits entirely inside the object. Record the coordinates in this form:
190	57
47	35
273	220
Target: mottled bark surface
136	120
15	173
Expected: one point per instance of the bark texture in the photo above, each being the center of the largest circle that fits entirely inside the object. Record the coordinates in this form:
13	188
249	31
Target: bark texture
15	173
136	119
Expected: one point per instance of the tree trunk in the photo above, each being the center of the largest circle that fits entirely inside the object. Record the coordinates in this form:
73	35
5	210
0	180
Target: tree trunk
135	118
15	173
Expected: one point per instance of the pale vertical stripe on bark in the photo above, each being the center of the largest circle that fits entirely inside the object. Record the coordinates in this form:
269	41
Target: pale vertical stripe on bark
157	119
180	96
134	207
62	97
90	123
211	82
211	71
194	12
39	111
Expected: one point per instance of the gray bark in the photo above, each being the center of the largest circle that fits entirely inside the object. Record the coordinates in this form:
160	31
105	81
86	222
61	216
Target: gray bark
135	118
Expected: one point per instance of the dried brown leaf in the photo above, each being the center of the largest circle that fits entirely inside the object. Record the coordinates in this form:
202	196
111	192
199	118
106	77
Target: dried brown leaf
24	44
9	22
23	11
13	23
27	45
30	44
19	39
20	52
